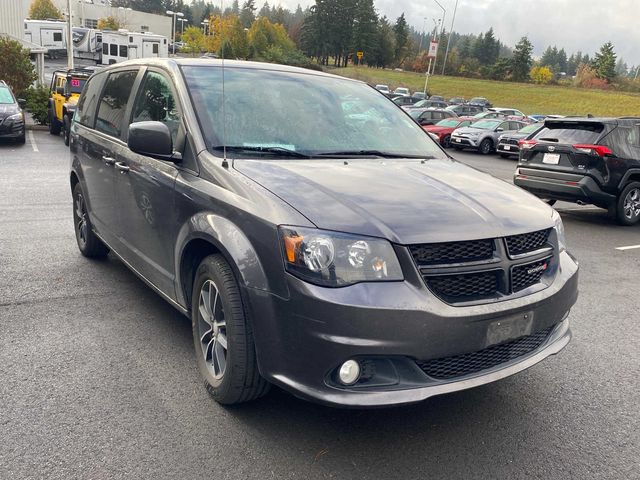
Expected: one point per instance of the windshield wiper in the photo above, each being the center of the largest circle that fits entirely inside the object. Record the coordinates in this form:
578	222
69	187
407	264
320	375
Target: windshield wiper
280	151
371	153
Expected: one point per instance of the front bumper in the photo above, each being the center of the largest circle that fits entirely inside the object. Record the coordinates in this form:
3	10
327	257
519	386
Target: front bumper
11	128
464	142
302	340
508	149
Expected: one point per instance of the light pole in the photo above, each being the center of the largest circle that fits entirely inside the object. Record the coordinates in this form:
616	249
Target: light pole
444	14
69	37
174	14
446	53
182	20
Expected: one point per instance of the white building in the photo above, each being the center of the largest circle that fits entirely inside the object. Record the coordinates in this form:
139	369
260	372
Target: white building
87	13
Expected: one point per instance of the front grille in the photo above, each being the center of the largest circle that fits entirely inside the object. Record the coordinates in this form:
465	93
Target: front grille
527	242
469	363
453	252
465	286
485	269
524	276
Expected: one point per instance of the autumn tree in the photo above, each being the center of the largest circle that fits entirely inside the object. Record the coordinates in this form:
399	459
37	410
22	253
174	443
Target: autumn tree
541	75
44	10
109	23
194	40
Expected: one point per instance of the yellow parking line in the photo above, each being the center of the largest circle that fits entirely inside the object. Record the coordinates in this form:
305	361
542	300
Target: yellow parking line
33	141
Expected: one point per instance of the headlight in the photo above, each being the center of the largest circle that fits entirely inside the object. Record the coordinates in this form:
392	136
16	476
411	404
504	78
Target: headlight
333	259
559	228
16	116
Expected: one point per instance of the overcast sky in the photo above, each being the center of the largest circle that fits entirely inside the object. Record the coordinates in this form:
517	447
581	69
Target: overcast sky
573	24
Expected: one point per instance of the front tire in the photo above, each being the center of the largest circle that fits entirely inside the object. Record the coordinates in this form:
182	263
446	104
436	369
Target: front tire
88	243
446	142
54	125
222	335
628	206
485	147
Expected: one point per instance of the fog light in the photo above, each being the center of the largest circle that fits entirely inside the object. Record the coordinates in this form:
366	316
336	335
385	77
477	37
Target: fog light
349	372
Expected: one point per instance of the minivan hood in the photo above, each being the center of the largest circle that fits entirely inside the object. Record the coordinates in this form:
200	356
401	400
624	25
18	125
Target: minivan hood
405	201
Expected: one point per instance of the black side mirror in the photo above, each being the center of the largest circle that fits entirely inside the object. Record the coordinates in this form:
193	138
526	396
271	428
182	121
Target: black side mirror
152	139
22	102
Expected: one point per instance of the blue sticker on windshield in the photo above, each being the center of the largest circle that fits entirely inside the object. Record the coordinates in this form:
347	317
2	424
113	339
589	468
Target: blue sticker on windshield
269	145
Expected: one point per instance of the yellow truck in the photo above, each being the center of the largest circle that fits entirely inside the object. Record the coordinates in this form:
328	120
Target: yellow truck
66	86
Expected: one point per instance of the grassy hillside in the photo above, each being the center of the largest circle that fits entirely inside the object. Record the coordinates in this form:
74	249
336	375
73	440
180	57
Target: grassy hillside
528	98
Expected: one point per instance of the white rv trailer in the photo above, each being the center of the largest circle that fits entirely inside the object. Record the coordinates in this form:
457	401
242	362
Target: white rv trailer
87	43
49	34
121	45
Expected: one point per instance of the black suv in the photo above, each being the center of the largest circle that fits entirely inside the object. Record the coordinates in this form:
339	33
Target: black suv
342	256
585	160
11	115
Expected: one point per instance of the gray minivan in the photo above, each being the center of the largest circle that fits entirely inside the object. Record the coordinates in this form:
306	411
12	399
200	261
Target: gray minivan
343	257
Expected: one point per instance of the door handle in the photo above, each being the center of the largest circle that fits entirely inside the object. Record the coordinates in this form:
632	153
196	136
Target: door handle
108	160
122	167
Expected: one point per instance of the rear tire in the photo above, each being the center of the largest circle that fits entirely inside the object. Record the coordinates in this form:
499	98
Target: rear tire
485	147
89	244
628	205
222	335
504	155
54	125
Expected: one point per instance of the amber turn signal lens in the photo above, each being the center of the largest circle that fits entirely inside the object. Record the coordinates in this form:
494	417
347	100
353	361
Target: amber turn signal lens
291	245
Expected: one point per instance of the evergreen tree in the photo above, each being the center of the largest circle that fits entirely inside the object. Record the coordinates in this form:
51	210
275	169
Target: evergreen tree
521	61
604	62
247	14
365	28
401	32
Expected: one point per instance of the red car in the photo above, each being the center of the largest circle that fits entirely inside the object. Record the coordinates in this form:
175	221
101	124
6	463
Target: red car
444	128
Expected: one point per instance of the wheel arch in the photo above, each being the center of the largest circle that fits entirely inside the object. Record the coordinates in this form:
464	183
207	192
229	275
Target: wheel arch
632	175
207	234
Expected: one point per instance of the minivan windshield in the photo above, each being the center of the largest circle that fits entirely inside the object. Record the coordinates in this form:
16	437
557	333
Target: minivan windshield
306	113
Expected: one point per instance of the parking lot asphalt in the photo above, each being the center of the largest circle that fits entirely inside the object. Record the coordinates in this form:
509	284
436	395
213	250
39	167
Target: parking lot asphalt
98	378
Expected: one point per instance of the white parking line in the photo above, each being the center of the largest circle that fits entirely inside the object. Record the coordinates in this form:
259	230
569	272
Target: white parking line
33	141
630	247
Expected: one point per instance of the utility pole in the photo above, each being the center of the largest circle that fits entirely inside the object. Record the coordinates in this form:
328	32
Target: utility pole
446	53
444	14
69	37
